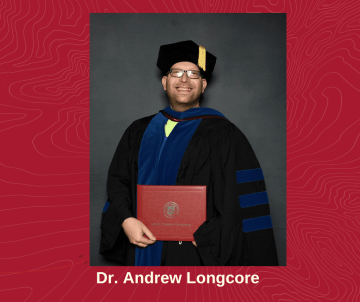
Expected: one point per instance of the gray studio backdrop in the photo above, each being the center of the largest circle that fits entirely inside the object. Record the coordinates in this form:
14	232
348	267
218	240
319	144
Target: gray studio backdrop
248	86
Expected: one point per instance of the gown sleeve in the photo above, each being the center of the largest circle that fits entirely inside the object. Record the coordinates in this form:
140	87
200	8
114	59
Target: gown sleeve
120	195
240	233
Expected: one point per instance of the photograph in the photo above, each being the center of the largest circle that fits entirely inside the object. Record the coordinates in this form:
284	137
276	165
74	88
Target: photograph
179	101
186	151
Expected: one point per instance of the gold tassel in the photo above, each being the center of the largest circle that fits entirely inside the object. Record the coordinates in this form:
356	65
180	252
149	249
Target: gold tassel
202	57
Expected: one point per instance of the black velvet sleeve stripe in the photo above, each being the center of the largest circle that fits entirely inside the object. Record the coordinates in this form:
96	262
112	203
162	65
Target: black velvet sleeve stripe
255	211
251	187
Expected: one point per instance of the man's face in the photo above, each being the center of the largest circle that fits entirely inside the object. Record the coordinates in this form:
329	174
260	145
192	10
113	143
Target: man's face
184	92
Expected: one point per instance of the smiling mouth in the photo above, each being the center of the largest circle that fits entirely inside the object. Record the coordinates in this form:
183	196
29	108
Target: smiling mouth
183	89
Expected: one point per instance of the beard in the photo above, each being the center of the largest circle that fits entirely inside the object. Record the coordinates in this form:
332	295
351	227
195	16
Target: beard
176	103
183	102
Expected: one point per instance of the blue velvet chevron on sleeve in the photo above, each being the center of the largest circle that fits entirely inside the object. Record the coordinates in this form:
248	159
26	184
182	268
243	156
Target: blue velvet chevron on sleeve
258	218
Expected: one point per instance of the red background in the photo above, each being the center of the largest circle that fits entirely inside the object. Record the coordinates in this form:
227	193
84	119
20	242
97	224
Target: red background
44	163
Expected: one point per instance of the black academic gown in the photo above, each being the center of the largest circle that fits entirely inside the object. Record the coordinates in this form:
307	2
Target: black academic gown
216	152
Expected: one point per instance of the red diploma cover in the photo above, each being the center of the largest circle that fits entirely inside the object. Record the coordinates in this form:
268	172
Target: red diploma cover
171	213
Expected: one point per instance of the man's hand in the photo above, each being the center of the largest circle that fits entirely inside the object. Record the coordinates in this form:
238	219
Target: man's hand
194	243
135	230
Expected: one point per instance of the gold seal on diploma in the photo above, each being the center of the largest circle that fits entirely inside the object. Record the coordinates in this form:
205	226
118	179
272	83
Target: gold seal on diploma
171	209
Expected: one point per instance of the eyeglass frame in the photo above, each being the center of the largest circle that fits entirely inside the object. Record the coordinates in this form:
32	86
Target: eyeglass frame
186	71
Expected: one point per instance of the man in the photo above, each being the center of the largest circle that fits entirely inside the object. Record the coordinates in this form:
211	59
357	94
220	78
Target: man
188	145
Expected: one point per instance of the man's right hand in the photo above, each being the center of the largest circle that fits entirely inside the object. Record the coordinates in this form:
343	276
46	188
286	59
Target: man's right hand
135	230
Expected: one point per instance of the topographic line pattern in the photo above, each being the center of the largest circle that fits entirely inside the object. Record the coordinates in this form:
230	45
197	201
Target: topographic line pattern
44	163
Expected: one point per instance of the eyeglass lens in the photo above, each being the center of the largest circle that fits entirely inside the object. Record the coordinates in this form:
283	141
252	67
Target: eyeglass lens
192	74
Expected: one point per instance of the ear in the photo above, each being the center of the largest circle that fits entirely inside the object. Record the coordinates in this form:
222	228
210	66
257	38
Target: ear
163	81
204	84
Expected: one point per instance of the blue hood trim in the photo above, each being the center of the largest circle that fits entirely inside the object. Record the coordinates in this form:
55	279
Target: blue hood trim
198	112
159	162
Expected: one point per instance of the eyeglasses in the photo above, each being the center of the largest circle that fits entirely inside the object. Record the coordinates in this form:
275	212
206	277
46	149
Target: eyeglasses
178	73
